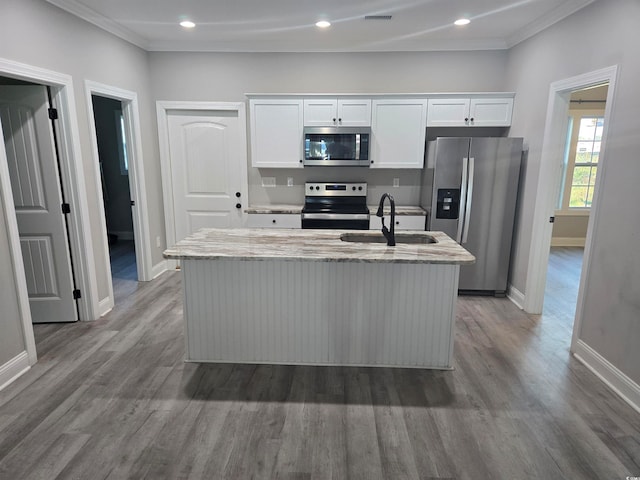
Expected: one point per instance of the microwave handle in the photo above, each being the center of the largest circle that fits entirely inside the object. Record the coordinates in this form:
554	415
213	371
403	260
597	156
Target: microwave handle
357	145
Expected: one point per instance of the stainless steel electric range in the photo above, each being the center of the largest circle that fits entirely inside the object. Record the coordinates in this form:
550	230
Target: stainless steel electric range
335	205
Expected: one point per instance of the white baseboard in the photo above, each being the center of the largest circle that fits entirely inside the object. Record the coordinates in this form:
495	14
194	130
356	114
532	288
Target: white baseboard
14	368
105	306
516	296
628	390
159	269
567	242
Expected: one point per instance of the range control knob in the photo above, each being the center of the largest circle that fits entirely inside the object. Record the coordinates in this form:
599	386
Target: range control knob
353	188
317	187
360	188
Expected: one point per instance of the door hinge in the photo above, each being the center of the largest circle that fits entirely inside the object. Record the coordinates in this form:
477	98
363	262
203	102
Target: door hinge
76	294
552	219
66	208
53	114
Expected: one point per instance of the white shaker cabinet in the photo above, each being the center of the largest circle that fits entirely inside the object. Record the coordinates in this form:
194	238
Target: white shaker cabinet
470	112
276	132
337	112
398	128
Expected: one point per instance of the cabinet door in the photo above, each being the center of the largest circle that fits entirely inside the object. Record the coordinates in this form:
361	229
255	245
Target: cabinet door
276	133
448	112
274	220
491	112
398	129
320	112
354	112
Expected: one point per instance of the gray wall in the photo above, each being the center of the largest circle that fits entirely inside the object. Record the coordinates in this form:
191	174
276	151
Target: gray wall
12	340
58	41
117	196
228	77
570	226
612	294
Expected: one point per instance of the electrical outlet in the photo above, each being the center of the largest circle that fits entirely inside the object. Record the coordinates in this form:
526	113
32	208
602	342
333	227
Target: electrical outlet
396	182
268	181
289	181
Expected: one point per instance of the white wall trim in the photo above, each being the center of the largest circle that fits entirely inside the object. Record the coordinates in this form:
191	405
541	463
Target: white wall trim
19	278
137	185
159	268
14	368
105	305
162	109
626	388
72	173
568	241
549	182
516	296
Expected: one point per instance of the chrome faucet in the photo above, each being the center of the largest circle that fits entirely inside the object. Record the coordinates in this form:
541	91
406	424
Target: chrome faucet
388	234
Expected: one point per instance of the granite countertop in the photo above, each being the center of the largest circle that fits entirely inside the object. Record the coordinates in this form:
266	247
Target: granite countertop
400	210
295	209
274	209
313	245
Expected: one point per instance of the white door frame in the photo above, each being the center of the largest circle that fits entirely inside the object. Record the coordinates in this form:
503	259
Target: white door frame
72	175
548	184
137	186
163	108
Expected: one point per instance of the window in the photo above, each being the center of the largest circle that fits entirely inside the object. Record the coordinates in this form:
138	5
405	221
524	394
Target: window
122	143
581	161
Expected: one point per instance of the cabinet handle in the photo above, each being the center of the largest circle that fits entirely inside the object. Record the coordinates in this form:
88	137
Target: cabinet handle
273	221
238	194
340	120
466	119
472	119
238	205
397	222
300	161
371	161
334	120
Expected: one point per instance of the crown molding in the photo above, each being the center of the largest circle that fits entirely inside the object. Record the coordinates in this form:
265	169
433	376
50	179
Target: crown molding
565	9
82	11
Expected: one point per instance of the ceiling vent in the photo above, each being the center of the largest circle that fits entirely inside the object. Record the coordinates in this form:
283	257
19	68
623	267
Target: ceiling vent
377	17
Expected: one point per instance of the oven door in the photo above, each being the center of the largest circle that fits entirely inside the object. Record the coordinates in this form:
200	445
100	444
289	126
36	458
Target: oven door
336	221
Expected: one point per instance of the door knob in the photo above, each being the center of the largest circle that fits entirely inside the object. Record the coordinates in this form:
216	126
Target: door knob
238	205
238	194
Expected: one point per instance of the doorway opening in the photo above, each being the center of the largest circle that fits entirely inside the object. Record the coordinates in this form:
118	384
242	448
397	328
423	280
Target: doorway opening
585	126
113	160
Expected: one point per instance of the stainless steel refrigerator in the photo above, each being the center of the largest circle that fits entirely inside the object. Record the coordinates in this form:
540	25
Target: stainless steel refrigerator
473	200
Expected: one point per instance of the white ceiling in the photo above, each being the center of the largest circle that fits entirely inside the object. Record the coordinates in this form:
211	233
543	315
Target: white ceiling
288	25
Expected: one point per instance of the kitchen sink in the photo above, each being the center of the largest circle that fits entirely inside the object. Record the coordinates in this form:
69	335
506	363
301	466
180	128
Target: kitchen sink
408	238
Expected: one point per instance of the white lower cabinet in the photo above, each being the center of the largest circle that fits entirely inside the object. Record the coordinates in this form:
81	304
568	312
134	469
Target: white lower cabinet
274	220
403	222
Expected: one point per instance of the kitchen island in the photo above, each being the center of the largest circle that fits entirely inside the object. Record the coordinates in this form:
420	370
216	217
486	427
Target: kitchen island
309	297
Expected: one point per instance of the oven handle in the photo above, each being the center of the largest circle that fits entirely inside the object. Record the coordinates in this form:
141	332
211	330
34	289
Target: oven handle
335	216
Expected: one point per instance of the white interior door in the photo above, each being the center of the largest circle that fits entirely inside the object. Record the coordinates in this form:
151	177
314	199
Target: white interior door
35	184
206	156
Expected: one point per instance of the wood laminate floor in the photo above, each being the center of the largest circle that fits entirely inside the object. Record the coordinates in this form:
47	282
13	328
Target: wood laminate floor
113	399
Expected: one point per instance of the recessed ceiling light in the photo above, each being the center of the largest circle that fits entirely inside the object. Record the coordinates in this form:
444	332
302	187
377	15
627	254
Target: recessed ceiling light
323	24
462	21
187	24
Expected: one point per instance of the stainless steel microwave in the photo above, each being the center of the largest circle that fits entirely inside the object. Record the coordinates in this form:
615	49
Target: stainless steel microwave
336	146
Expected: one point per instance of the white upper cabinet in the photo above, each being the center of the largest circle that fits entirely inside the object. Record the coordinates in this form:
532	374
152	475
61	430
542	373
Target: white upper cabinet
276	132
470	112
398	128
337	112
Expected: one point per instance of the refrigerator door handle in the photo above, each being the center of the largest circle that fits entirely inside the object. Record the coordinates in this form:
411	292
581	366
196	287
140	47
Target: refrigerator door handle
467	207
463	196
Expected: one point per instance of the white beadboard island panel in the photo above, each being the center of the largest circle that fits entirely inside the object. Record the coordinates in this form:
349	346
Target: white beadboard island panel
322	313
307	297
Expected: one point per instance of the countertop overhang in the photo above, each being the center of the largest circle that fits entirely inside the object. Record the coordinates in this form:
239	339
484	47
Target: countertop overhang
312	245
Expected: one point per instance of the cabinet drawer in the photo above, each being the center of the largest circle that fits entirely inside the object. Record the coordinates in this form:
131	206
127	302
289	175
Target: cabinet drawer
403	222
276	220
